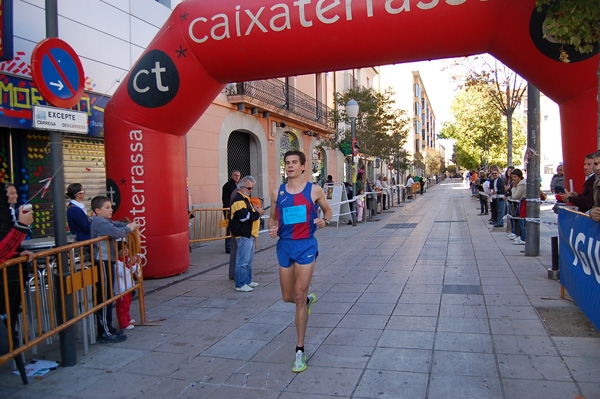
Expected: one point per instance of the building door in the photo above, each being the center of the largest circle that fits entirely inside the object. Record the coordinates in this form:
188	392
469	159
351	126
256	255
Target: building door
238	154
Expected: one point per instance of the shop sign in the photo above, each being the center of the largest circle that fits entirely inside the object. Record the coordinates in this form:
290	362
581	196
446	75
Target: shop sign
18	96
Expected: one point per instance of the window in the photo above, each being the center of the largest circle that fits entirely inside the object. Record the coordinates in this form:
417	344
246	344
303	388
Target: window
166	3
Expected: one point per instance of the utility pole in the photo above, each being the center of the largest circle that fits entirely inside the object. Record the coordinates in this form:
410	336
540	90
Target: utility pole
532	242
68	351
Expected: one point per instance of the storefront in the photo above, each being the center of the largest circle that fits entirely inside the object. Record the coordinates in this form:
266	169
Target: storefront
25	152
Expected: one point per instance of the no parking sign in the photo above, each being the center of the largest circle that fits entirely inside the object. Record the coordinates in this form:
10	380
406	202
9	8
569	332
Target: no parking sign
57	72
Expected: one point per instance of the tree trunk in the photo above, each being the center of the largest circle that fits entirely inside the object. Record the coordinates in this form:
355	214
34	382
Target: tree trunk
509	133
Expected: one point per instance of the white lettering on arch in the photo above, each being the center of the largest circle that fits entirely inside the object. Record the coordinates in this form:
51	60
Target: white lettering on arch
391	10
224	25
428	6
191	31
255	20
285	15
322	10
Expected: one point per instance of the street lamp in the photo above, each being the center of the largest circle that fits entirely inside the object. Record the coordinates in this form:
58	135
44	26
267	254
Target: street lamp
352	112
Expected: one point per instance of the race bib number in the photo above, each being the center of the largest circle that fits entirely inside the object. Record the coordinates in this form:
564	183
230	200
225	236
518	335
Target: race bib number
294	214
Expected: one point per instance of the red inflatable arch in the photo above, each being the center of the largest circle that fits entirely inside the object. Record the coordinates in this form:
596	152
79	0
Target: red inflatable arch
207	44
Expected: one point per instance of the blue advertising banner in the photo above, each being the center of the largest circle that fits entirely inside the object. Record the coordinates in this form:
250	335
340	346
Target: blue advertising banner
579	248
18	96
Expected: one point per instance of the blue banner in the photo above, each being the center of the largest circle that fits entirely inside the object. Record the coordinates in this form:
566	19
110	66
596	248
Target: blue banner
579	248
18	96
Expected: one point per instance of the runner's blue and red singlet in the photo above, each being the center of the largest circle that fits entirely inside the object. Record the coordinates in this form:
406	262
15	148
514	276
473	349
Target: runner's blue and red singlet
296	213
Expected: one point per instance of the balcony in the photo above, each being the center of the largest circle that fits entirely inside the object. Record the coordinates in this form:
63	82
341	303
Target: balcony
279	100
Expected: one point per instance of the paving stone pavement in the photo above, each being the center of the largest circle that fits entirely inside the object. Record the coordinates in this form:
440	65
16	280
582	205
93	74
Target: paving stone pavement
425	301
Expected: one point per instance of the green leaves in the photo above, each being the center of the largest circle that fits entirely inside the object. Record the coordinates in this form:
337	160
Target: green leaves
572	22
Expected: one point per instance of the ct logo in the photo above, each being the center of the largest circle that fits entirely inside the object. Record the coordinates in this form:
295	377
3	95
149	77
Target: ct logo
154	81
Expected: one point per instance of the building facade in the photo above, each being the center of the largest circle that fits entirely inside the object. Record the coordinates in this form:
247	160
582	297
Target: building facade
249	126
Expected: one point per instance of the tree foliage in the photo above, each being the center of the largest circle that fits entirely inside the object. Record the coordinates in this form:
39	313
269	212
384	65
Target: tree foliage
381	128
504	87
572	22
478	130
433	162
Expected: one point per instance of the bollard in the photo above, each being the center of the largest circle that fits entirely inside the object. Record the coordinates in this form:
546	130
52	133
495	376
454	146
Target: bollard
554	272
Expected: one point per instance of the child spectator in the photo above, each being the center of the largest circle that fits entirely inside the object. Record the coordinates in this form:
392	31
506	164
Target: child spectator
360	205
102	225
127	268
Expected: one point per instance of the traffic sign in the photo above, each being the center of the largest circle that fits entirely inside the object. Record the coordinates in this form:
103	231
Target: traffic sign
57	72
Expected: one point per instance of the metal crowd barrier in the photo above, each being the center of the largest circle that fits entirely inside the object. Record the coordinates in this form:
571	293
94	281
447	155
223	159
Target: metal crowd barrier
209	224
56	290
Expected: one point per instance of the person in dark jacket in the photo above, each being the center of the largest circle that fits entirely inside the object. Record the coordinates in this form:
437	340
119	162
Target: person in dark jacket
584	201
77	216
498	190
227	190
244	224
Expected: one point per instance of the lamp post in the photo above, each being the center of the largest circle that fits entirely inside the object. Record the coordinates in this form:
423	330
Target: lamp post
352	112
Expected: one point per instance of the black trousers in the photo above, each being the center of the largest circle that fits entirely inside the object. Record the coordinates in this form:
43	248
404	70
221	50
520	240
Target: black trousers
106	274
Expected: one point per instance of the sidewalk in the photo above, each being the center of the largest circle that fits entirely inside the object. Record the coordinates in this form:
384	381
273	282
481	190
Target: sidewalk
424	301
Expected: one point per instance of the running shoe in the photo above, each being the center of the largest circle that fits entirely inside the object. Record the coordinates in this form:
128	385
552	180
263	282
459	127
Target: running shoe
300	362
312	298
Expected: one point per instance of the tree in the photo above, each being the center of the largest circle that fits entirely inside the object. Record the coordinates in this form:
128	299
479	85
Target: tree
478	130
505	88
576	25
381	128
433	162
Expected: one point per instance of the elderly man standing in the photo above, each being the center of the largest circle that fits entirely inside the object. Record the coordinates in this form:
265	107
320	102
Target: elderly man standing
228	189
244	224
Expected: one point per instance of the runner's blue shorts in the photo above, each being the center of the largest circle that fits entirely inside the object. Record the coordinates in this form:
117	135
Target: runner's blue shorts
302	252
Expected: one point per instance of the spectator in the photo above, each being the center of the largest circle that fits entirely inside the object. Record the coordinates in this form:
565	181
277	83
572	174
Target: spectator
226	193
385	187
378	189
13	198
498	190
126	269
77	216
329	181
595	211
474	179
483	195
585	200
557	184
360	205
519	193
102	225
11	237
359	182
244	224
